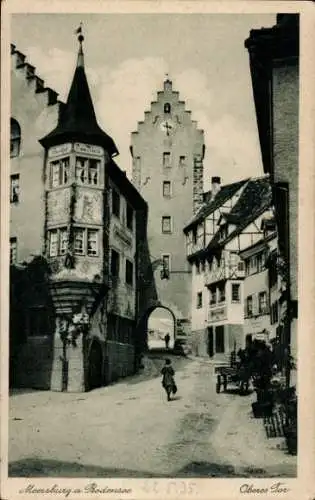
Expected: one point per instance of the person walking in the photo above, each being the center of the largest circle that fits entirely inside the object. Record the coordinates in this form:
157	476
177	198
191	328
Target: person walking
168	381
167	339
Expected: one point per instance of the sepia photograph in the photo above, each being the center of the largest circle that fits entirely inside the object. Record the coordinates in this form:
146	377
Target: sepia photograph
153	215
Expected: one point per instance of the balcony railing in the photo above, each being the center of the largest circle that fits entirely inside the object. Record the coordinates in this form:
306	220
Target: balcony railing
225	272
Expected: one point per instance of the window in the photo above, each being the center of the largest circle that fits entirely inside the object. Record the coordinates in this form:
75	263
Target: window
182	161
213	295
260	261
236	288
199	300
129	272
129	217
247	266
166	258
274	315
167	108
219	339
15	139
86	241
14	188
115	203
93	172
92	242
63	241
166	224
166	265
53	243
262	303
55	180
166	159
241	266
166	189
249	306
253	265
13	250
79	240
59	172
87	170
222	293
114	265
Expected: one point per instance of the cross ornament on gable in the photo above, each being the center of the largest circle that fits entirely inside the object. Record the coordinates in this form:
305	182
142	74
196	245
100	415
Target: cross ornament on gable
168	127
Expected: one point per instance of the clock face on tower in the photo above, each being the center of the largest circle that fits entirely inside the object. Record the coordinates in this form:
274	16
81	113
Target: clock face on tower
167	126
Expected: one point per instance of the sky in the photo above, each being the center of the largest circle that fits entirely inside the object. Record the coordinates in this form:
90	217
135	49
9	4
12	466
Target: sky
127	57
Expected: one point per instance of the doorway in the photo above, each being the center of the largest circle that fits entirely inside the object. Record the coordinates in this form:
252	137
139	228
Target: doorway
95	367
210	342
219	339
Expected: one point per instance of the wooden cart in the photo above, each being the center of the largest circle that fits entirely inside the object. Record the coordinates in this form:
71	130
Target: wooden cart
231	375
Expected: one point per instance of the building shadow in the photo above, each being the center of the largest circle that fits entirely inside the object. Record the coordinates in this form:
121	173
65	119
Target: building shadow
15	391
35	467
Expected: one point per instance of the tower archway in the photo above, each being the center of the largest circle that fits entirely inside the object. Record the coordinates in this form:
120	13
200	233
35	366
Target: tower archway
161	328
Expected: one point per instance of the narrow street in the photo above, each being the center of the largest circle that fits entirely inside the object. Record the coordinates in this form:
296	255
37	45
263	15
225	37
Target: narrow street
130	430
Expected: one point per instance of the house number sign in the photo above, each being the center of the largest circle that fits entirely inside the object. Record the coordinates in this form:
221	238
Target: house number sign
88	148
61	149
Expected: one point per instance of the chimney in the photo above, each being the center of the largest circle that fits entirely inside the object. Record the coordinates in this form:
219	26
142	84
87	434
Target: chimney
215	185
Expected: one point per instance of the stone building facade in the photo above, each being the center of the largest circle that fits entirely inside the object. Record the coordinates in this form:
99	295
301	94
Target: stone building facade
167	154
79	225
274	65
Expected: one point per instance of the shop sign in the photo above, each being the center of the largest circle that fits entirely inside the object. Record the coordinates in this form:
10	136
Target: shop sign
61	149
217	314
88	149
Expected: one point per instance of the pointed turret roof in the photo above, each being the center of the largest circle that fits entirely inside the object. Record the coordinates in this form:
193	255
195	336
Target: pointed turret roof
77	119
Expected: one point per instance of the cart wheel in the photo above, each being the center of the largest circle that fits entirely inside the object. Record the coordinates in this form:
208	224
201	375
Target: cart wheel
218	386
224	382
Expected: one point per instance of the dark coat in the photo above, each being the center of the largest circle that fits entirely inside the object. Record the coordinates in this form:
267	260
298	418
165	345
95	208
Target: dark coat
168	376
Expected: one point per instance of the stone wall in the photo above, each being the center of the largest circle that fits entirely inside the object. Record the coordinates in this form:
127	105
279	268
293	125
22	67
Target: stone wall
119	360
286	160
36	110
285	149
199	342
34	365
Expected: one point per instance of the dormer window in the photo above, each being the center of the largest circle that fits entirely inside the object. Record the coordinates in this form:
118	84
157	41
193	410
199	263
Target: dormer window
15	139
167	108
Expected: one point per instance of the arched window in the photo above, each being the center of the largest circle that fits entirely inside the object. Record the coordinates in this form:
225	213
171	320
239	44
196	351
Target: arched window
167	108
15	138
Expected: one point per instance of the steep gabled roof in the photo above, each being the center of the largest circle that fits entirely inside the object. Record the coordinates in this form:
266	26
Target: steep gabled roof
254	200
225	193
77	119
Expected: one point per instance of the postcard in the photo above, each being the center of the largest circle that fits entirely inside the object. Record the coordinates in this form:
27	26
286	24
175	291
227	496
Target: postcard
157	250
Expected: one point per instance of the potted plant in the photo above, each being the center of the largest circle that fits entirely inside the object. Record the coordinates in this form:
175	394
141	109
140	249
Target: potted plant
290	427
261	364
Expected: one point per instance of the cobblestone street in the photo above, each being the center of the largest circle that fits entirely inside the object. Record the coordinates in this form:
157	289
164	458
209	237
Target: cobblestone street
130	430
